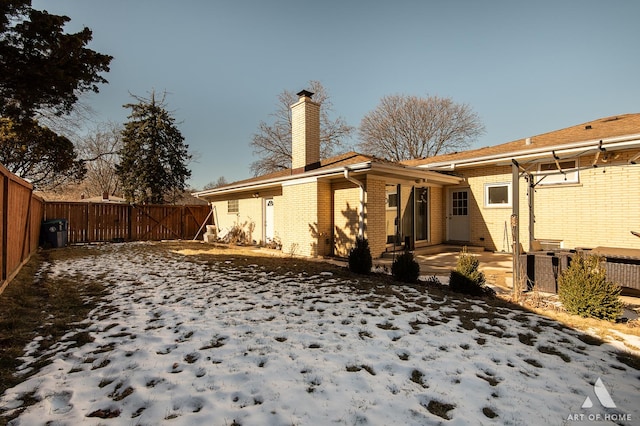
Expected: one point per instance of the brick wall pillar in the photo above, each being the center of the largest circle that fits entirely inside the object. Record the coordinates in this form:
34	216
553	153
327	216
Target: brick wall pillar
375	216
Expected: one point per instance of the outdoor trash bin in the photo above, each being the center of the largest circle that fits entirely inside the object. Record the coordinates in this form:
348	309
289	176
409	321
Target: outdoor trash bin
53	233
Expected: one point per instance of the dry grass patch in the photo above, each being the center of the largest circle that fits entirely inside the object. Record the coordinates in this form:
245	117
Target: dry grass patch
36	304
528	339
355	368
440	409
533	362
592	326
550	350
489	378
488	411
629	360
417	376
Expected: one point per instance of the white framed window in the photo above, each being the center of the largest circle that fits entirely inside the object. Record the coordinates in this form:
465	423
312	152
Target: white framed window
233	206
548	173
392	200
497	194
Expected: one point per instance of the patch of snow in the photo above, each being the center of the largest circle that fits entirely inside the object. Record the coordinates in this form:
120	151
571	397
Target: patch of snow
189	343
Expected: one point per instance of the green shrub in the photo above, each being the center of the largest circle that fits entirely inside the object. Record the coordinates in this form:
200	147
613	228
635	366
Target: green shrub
405	268
467	279
584	290
360	260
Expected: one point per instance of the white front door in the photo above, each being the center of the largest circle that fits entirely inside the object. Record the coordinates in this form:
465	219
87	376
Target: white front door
458	215
268	220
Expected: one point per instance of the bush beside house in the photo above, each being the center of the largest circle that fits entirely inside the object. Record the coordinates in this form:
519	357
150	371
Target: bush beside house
584	290
467	279
360	260
405	268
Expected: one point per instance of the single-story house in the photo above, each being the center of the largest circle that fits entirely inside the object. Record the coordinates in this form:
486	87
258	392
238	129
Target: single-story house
585	181
578	187
319	206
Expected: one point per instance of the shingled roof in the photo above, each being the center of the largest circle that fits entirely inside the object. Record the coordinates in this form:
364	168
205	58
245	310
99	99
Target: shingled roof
345	159
609	127
341	160
328	167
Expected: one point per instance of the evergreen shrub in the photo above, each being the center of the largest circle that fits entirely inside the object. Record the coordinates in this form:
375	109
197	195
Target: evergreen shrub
467	279
360	260
584	290
405	268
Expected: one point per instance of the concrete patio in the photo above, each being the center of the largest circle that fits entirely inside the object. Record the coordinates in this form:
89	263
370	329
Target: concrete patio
440	260
497	268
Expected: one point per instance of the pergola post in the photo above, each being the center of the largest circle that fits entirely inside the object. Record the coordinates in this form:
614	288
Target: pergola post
515	227
532	219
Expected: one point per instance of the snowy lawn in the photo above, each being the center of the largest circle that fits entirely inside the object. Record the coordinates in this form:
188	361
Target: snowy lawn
203	340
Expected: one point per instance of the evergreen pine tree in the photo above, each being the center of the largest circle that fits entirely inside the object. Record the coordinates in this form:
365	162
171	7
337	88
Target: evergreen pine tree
154	156
360	260
584	290
405	268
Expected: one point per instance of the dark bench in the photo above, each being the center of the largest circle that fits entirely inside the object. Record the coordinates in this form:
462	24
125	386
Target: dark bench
622	265
542	268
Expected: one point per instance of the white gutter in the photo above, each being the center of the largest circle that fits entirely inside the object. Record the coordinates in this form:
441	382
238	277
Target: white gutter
621	142
361	210
250	186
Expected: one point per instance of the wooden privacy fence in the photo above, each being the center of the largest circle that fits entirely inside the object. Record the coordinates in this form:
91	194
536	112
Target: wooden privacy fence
21	214
92	222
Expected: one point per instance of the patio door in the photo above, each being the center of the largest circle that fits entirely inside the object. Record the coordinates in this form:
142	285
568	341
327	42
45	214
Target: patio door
407	214
421	214
268	220
458	215
393	213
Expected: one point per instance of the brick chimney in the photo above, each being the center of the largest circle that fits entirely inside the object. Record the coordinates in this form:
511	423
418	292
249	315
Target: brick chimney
305	133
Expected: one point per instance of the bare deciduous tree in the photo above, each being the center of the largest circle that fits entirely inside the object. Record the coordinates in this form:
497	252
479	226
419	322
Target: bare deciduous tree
272	142
99	150
221	181
69	125
407	127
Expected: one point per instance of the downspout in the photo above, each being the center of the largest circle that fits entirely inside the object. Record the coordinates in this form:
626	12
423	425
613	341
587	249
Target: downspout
361	209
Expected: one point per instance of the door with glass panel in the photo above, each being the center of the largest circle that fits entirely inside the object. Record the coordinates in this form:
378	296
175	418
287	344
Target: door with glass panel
268	220
421	214
393	213
458	215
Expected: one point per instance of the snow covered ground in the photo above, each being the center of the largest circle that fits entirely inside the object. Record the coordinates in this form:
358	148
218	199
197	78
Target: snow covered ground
184	341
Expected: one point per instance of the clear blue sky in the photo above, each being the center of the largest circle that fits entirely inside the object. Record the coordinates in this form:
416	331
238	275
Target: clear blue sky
526	67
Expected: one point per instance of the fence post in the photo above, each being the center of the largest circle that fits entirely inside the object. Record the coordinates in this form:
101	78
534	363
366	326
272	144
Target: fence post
87	229
130	224
5	223
26	237
182	218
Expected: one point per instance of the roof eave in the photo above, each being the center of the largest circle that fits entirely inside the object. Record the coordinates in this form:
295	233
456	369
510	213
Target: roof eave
412	173
363	167
274	182
618	142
